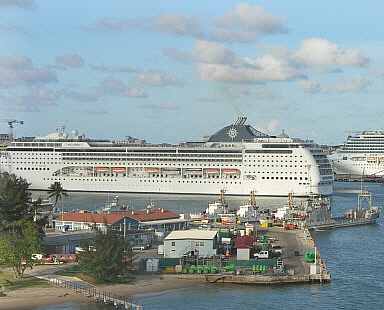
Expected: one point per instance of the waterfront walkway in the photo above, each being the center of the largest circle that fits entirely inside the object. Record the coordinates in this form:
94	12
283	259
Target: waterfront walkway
48	273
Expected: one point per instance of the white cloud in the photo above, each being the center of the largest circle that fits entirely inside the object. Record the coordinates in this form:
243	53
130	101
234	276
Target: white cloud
152	79
209	52
178	24
217	63
78	96
26	4
356	84
18	70
272	125
313	87
30	102
245	23
322	54
111	86
119	69
8	27
40	96
70	60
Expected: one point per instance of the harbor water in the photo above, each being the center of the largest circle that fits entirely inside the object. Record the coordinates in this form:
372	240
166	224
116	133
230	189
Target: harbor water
353	256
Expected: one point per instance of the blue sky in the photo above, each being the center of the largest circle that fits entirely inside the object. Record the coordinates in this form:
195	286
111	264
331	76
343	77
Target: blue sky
170	71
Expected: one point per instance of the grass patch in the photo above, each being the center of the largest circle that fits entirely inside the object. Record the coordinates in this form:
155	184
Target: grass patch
11	284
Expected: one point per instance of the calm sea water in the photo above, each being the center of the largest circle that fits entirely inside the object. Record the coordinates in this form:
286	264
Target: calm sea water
354	257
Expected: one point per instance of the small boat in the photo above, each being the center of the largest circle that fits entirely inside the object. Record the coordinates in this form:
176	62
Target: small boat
228	218
195	216
114	206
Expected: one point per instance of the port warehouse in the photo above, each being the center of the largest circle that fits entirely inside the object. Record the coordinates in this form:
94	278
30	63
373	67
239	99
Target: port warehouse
133	220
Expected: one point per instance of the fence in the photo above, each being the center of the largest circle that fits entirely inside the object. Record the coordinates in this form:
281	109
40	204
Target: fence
93	292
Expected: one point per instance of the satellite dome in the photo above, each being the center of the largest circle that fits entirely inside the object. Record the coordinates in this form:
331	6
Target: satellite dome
74	133
65	135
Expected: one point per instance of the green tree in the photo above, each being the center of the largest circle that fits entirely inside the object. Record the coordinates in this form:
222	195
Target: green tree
18	244
105	256
34	214
14	198
56	190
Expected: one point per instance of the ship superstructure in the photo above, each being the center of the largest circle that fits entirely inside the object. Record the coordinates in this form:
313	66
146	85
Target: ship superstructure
361	155
238	159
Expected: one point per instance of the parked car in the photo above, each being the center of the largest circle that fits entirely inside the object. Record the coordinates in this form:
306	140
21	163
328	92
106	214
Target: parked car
141	247
276	250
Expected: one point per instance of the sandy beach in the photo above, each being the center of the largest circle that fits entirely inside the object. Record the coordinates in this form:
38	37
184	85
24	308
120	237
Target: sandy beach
35	297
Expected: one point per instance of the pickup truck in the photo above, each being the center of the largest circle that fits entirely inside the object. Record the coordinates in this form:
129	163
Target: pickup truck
276	250
262	254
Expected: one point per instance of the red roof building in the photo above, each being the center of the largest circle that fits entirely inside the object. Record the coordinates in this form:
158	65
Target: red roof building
151	218
244	242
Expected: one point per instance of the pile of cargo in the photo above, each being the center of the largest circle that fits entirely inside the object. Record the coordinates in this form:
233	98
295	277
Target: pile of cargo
199	269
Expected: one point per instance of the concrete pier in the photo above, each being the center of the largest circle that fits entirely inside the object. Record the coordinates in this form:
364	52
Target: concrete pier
294	244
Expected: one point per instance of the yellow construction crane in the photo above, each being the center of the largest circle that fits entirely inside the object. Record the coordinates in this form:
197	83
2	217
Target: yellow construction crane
10	124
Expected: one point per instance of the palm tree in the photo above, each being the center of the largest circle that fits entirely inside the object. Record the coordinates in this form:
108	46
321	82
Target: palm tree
57	191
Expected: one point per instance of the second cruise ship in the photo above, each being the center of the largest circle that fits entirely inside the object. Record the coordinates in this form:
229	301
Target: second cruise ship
361	155
238	159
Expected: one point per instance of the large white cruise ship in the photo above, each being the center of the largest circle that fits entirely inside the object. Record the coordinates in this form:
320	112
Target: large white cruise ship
361	155
238	159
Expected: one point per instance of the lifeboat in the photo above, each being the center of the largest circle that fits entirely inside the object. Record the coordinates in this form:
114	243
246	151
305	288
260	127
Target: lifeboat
209	170
371	159
102	168
89	169
230	171
381	159
118	169
152	169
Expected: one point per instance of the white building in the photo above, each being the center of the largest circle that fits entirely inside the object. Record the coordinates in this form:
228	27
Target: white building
200	243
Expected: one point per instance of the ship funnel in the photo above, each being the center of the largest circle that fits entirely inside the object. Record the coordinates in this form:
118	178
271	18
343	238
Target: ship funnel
240	121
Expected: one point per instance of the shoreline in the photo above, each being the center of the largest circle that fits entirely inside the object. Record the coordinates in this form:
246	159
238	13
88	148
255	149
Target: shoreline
141	287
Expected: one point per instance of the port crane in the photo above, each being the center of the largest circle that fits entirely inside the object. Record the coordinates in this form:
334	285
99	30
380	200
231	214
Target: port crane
10	124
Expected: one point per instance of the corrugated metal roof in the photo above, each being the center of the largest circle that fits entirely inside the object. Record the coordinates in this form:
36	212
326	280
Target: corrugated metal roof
191	234
244	242
141	216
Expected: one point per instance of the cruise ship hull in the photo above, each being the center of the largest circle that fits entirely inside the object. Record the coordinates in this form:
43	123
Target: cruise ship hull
247	162
358	165
175	186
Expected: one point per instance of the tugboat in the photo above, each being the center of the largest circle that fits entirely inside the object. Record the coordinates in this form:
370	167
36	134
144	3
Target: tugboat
113	207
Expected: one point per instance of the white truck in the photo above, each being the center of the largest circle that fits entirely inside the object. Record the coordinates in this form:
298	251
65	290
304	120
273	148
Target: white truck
262	254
